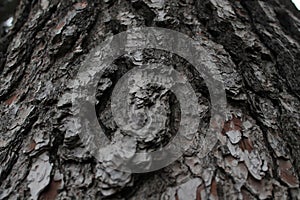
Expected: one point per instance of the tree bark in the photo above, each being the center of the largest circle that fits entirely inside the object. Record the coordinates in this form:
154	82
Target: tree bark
254	43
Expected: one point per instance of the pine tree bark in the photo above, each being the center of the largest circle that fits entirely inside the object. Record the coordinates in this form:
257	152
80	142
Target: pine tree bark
256	45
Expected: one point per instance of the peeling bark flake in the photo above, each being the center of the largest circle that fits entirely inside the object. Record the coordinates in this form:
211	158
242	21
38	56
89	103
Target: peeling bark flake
39	175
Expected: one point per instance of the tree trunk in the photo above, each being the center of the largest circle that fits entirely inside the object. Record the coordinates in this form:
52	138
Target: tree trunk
255	45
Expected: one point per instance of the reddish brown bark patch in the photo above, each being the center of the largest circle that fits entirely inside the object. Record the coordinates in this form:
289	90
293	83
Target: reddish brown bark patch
287	174
31	145
11	99
246	144
233	124
200	190
51	191
214	189
60	25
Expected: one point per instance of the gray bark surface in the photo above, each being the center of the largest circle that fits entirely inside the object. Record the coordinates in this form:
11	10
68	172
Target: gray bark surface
255	44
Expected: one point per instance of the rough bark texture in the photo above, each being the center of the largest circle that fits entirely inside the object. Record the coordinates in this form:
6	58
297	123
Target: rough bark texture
256	45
